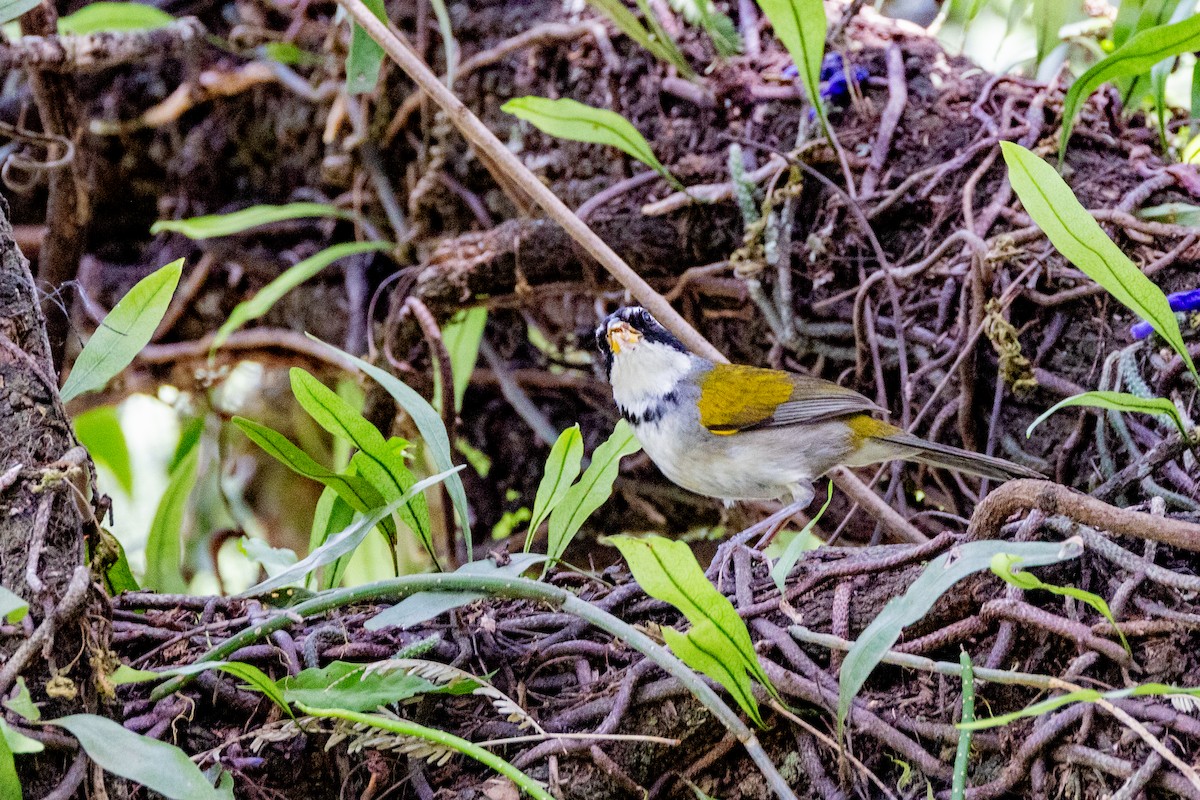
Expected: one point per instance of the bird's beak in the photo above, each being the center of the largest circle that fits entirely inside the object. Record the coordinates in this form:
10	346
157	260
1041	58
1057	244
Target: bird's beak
621	334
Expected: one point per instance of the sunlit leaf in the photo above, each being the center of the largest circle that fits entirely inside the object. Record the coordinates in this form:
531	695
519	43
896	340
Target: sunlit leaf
377	461
266	298
158	766
213	225
591	491
106	16
12	9
462	335
163	548
718	643
12	607
1116	401
429	423
424	606
125	331
1074	233
798	545
936	579
365	58
654	41
1006	566
99	430
1136	56
801	25
562	468
570	119
1083	695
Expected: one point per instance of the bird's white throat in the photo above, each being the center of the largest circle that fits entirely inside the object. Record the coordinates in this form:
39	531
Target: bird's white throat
642	377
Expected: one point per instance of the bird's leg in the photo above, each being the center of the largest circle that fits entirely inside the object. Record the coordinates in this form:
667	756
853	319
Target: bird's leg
802	497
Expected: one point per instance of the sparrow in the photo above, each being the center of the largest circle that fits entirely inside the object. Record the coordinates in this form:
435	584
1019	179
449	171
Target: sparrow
738	432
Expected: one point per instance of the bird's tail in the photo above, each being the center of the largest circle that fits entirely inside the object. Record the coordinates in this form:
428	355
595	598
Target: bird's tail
947	457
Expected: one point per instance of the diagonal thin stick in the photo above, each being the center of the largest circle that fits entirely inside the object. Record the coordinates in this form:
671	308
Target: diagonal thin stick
508	168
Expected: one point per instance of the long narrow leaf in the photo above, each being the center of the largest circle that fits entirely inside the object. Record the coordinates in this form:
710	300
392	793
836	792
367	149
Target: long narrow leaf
163	548
462	336
125	331
1074	233
937	578
660	46
214	225
592	490
365	57
570	119
802	25
429	423
1115	401
798	544
108	16
99	430
158	766
1137	56
266	298
254	677
718	643
1048	17
562	468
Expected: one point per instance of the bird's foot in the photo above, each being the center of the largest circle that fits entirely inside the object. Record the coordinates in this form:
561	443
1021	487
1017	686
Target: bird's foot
767	529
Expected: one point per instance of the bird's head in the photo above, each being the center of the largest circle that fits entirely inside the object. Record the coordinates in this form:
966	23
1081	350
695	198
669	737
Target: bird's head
643	360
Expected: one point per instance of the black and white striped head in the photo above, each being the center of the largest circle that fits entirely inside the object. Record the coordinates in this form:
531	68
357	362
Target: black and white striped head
630	330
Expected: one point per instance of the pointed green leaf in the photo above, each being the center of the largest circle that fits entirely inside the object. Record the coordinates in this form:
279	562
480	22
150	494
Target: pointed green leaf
798	544
125	331
937	578
213	225
118	574
352	688
718	643
802	25
462	336
592	490
163	548
1083	695
22	704
254	677
429	423
365	58
1048	18
1135	57
266	298
158	766
99	430
570	119
1116	401
654	41
18	744
1074	233
109	16
13	607
562	468
10	783
376	459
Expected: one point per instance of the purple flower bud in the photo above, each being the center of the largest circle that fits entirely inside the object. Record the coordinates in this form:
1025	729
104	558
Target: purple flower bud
791	71
831	65
1179	301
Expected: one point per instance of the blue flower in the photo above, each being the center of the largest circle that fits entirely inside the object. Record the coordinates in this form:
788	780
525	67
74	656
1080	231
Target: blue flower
1180	301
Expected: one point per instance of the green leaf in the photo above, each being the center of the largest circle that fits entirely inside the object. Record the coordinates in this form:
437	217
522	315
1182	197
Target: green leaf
118	574
718	643
254	677
12	606
158	766
10	783
1048	18
1005	566
331	515
12	9
801	25
429	423
570	119
592	490
1074	233
962	756
462	335
352	688
1136	56
266	298
105	16
22	703
18	744
125	331
562	468
99	430
1083	695
654	41
290	54
365	58
720	28
1116	401
798	545
163	548
376	459
213	225
355	490
272	559
424	606
342	543
938	577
